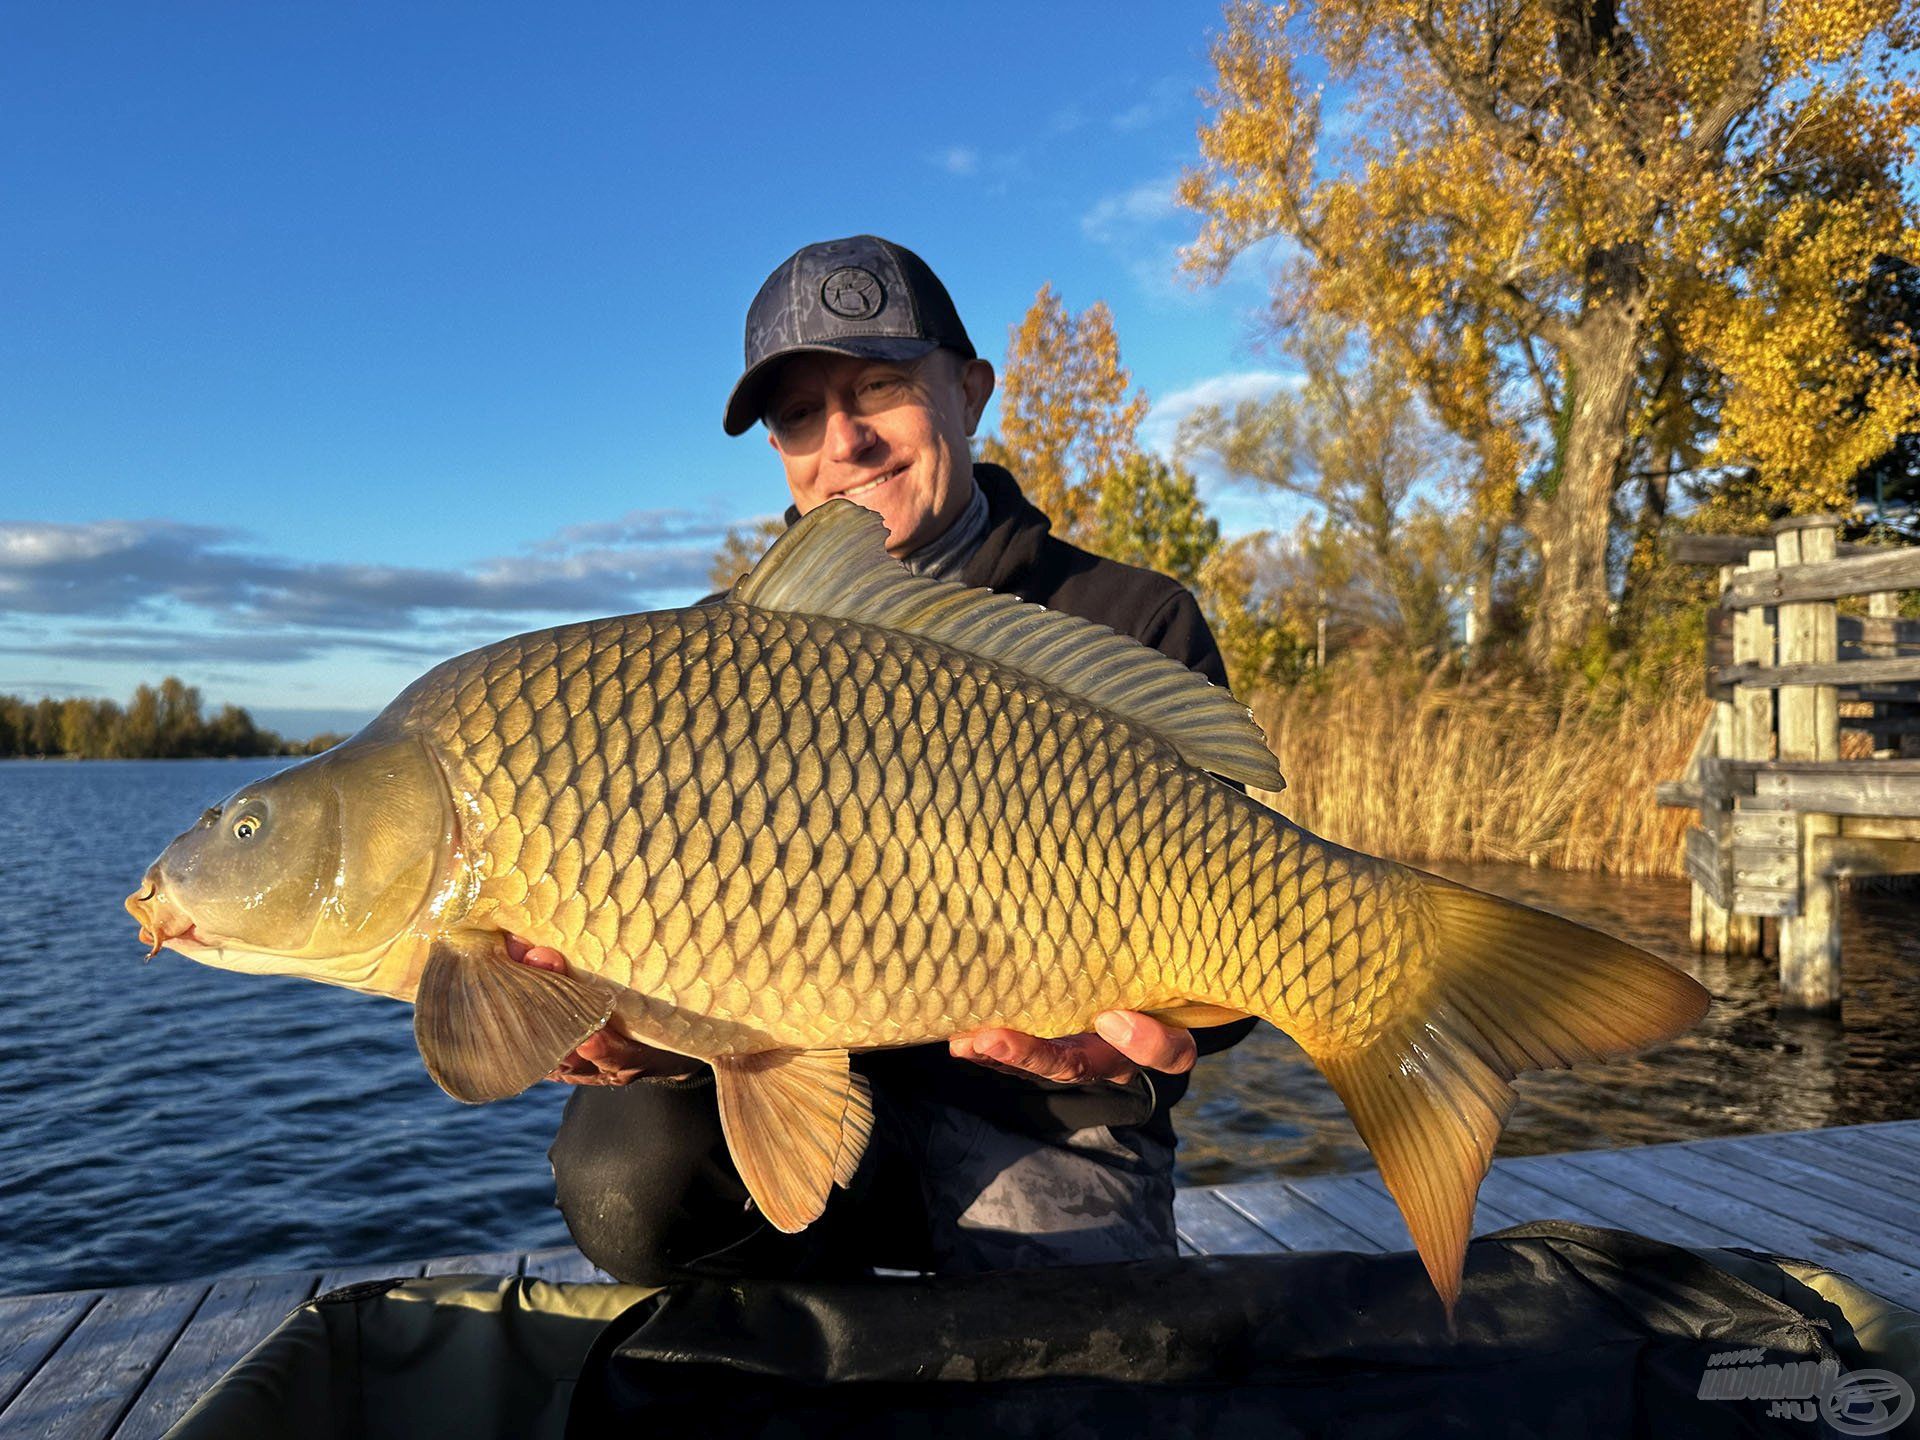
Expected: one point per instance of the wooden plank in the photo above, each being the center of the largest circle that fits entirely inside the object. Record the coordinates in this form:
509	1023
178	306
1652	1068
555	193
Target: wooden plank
31	1328
1886	1153
1753	771
1879	634
1291	1218
1819	1166
1850	1201
1708	867
1213	1227
499	1262
85	1386
345	1275
1760	678
1622	1207
1713	549
1889	569
1358	1208
1841	1230
564	1263
1525	1200
1361	1202
1757	1226
1855	855
1487	1216
1878	827
1734	549
1877	1167
237	1314
1874	788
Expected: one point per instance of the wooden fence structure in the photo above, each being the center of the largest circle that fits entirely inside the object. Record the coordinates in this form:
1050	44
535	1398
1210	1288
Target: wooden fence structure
1782	816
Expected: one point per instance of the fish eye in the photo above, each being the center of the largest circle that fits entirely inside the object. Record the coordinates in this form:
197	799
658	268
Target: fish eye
247	826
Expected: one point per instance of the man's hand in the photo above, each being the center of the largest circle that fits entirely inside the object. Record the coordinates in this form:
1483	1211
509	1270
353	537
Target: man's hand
1125	1043
605	1057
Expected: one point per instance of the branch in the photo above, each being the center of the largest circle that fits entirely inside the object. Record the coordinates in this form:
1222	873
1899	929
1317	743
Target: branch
1549	402
1478	97
1742	91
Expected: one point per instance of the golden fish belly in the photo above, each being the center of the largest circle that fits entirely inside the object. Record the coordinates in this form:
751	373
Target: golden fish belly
783	831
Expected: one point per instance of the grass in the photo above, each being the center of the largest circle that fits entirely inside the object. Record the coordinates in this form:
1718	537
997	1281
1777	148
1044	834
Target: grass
1436	767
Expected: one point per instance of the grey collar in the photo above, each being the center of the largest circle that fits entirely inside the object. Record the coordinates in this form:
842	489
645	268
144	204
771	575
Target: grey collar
946	555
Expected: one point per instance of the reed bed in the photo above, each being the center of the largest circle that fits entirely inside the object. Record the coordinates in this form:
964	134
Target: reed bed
1437	767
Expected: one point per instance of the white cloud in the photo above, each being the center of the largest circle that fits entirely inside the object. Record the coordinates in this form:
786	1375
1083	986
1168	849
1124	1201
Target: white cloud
1162	425
1145	227
960	160
1159	101
1239	506
1121	218
123	589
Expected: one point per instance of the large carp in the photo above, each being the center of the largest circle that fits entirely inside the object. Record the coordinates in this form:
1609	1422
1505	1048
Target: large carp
846	808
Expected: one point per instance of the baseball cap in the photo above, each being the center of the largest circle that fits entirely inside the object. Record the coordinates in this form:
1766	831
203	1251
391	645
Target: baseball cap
862	296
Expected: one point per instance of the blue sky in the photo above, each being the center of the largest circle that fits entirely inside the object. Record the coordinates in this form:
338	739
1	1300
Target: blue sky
337	338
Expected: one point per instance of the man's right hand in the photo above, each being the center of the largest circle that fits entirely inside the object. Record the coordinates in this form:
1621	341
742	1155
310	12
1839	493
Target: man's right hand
605	1057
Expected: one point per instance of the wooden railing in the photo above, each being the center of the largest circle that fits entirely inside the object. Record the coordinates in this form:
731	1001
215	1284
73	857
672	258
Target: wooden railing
1782	816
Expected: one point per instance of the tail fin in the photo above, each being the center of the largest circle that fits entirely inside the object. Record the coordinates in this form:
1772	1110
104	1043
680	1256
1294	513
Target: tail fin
1513	989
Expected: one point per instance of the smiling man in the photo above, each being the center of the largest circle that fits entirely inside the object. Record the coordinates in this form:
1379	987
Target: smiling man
999	1149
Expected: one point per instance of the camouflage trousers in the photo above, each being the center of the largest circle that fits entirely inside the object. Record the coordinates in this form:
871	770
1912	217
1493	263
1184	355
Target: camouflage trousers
642	1176
999	1199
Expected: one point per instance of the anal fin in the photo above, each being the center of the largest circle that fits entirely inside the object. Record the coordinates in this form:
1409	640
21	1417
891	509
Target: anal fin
797	1123
488	1027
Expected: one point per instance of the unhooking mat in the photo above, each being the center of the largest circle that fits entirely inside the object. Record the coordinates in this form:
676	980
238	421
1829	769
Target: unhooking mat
1561	1331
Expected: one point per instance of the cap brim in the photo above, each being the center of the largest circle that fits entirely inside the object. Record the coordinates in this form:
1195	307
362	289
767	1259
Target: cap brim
749	399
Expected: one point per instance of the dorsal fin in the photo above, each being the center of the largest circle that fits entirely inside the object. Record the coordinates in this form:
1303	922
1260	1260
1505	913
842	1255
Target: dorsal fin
833	562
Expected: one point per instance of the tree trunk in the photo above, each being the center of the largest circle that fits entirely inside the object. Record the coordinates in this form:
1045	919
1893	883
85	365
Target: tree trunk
1572	520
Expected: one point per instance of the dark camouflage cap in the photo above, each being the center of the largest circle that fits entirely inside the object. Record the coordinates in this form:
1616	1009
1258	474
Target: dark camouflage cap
862	296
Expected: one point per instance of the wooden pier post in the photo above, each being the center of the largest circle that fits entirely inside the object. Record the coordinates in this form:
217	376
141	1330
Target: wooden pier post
1753	726
1707	924
1810	730
1883	609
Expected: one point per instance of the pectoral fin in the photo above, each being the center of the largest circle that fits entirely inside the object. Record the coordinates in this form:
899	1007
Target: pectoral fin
797	1123
488	1028
1195	1014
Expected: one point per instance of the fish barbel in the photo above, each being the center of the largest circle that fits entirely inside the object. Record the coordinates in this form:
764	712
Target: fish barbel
847	808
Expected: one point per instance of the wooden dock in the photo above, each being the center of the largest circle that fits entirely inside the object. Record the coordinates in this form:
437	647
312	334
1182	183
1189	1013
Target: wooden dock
1783	817
125	1364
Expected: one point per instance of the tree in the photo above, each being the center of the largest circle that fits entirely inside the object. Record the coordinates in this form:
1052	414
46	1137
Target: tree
1262	643
1066	418
1354	440
1585	228
742	549
1149	513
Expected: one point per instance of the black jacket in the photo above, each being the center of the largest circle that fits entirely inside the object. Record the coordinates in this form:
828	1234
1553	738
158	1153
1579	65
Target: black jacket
1019	555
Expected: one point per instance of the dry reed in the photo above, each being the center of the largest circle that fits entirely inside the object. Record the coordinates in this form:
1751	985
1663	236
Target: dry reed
1441	768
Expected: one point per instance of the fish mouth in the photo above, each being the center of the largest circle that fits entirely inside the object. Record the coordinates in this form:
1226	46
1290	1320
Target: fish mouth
161	924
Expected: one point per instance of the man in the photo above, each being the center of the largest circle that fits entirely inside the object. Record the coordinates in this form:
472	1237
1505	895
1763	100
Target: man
999	1149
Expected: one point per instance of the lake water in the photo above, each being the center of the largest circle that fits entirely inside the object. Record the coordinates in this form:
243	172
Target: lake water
163	1121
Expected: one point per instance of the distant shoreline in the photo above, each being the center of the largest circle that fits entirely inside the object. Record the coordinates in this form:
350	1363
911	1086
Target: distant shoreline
143	759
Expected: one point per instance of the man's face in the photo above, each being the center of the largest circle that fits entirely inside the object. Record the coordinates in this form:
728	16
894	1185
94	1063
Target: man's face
891	436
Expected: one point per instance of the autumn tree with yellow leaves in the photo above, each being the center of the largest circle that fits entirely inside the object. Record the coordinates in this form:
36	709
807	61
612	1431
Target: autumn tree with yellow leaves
1067	419
1610	243
1384	541
741	549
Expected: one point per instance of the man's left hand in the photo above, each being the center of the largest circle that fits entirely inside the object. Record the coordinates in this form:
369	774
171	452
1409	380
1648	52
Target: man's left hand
1124	1042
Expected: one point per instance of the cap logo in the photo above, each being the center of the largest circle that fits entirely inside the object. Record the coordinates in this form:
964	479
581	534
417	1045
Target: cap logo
853	293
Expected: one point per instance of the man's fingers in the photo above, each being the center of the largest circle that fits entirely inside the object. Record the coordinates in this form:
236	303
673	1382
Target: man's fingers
1146	1041
1072	1061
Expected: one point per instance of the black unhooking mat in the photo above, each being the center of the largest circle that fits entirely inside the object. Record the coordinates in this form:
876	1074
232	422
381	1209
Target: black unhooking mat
1561	1331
